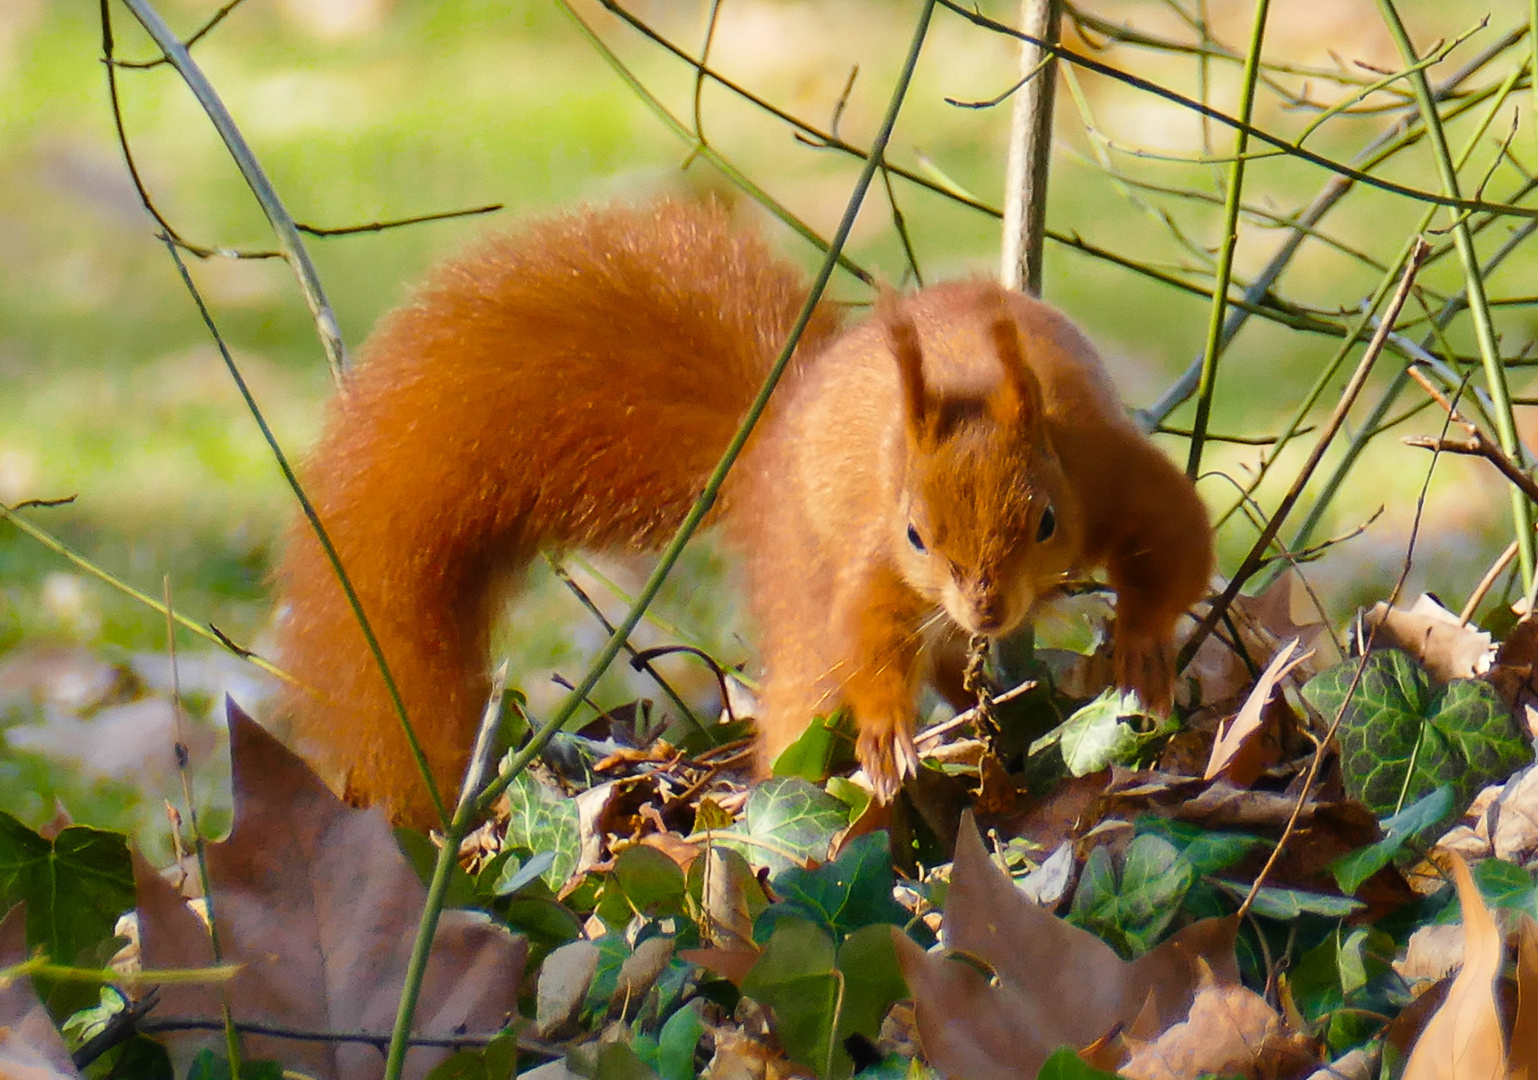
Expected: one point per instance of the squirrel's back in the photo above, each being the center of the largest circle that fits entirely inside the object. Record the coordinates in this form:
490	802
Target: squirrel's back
571	383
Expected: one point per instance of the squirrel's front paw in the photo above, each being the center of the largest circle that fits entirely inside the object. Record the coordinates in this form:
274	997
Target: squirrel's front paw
885	749
1146	663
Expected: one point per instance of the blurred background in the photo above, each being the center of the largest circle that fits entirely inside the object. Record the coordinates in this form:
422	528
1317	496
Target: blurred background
363	111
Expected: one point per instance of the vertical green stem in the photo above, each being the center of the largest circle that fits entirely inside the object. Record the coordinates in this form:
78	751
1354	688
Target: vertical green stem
1479	307
1231	203
277	216
470	808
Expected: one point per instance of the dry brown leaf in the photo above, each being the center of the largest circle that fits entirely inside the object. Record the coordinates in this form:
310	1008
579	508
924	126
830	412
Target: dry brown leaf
640	970
317	904
1446	647
1524	1028
1056	983
30	1046
564	979
1230	1031
1512	672
1513	819
1238	752
1281	612
1463	1040
725	889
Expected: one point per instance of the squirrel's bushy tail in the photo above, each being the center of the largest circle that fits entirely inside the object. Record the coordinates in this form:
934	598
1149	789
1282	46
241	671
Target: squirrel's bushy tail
570	383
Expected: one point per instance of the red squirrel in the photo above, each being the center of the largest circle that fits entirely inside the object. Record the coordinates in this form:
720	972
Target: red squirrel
934	470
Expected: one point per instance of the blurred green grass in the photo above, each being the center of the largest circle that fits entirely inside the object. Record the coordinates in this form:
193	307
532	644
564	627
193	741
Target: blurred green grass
111	391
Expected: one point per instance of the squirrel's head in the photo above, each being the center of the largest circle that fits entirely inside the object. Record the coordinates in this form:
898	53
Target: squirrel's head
987	523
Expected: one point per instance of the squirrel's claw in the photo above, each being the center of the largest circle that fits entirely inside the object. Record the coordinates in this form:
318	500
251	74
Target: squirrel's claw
1145	663
887	754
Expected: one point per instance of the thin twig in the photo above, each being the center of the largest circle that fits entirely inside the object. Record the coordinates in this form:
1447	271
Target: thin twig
636	660
1322	747
972	715
1486	583
1348	397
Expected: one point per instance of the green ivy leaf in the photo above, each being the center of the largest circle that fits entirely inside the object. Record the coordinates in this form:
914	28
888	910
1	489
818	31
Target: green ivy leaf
822	749
820	995
642	882
1503	885
1132	909
1285	905
1400	737
851	892
676	1043
1097	736
616	1061
208	1065
1208	851
540	819
1355	867
75	887
795	821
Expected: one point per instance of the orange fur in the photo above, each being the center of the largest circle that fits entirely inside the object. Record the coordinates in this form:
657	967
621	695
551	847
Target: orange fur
572	384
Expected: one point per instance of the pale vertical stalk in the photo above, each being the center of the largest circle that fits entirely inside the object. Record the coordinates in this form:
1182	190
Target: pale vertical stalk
1030	148
1474	284
1206	384
278	217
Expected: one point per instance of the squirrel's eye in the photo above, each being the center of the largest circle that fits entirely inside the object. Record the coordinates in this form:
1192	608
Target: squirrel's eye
916	540
1047	526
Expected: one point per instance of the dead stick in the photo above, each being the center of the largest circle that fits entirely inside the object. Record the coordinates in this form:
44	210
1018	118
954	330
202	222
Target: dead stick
1477	446
1030	148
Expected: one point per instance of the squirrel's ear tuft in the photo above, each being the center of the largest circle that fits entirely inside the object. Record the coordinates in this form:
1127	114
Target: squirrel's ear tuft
1017	401
909	357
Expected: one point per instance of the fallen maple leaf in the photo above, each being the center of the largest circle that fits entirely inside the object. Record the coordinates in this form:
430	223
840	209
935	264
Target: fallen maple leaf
1056	984
315	902
30	1046
1463	1040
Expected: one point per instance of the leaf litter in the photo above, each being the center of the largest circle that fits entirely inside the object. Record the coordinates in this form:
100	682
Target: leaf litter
649	916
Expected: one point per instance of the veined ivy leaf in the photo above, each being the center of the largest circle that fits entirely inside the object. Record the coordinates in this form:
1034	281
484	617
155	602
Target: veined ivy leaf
1401	737
541	820
789	821
1131	909
1355	867
841	896
821	994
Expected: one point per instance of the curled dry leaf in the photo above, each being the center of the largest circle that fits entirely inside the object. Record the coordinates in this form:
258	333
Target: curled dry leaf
1463	1039
1445	646
1239	752
1264	621
316	904
1055	983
